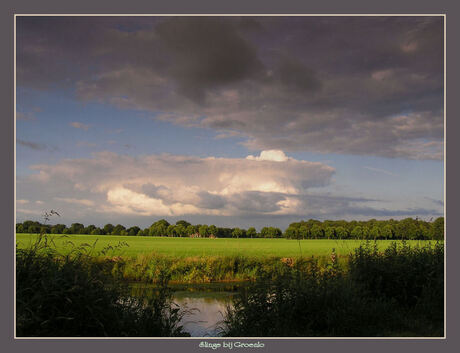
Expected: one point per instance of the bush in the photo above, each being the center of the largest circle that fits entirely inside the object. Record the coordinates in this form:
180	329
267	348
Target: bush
75	295
412	276
395	293
400	272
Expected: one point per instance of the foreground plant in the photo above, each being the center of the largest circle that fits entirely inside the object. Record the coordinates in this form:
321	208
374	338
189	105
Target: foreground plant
76	295
398	292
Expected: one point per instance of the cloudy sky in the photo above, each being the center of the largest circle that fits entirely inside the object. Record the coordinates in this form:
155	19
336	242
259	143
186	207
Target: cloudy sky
233	121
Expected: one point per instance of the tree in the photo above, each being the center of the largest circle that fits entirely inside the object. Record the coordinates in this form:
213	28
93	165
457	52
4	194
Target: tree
407	229
437	229
203	230
329	232
341	232
27	224
161	222
291	232
133	230
304	233
316	232
181	231
191	229
118	229
237	233
224	232
251	232
159	228
270	232
212	230
183	223
97	231
171	231
58	229
144	232
89	229
375	232
77	228
265	232
277	233
357	233
108	228
387	231
366	232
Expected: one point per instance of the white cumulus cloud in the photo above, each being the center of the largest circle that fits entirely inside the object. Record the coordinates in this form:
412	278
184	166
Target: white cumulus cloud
173	185
270	155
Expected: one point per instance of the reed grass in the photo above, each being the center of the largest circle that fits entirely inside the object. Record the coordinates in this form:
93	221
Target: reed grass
84	291
397	292
73	295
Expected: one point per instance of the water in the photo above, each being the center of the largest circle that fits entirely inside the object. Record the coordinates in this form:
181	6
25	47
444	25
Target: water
205	304
204	321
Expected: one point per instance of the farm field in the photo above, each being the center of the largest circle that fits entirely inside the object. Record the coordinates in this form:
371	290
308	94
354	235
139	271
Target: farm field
192	247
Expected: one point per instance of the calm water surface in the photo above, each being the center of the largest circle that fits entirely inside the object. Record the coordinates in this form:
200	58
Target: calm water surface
206	305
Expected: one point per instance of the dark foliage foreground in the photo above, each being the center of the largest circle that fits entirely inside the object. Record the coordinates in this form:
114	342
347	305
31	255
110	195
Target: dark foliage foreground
399	292
72	295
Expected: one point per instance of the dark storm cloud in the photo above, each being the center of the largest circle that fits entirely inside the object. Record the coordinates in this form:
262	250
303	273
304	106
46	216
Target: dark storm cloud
205	52
353	85
293	74
150	190
263	202
210	201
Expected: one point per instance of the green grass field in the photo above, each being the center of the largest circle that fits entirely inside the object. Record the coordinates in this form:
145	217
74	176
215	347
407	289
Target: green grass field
190	247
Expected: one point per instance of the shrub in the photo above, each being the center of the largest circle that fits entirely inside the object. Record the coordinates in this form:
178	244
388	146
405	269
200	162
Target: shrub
75	295
395	293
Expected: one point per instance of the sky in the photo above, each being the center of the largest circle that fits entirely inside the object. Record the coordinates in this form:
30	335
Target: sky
232	121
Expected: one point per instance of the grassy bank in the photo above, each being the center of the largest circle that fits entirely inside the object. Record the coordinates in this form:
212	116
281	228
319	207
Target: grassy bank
73	295
146	268
204	260
371	292
399	292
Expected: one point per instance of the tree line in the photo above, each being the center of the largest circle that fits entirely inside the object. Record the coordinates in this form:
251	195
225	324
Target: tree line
159	228
407	228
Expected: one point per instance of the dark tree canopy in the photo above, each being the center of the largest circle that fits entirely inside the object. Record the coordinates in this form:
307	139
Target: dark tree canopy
408	228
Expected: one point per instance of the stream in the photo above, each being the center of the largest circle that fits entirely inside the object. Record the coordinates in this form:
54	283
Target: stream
205	304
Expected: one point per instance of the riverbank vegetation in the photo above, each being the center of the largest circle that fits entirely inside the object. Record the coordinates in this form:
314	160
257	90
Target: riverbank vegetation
398	292
73	295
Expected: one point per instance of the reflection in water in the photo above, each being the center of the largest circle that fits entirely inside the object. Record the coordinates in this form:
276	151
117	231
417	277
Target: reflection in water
203	321
205	304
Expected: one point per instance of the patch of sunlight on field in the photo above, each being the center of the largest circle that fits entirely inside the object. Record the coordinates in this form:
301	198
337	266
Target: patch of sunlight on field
187	247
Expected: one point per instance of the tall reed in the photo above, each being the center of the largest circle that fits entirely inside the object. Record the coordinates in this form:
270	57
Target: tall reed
76	295
398	292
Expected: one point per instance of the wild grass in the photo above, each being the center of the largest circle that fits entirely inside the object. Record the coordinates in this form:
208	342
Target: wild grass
83	291
146	268
203	247
69	295
397	292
